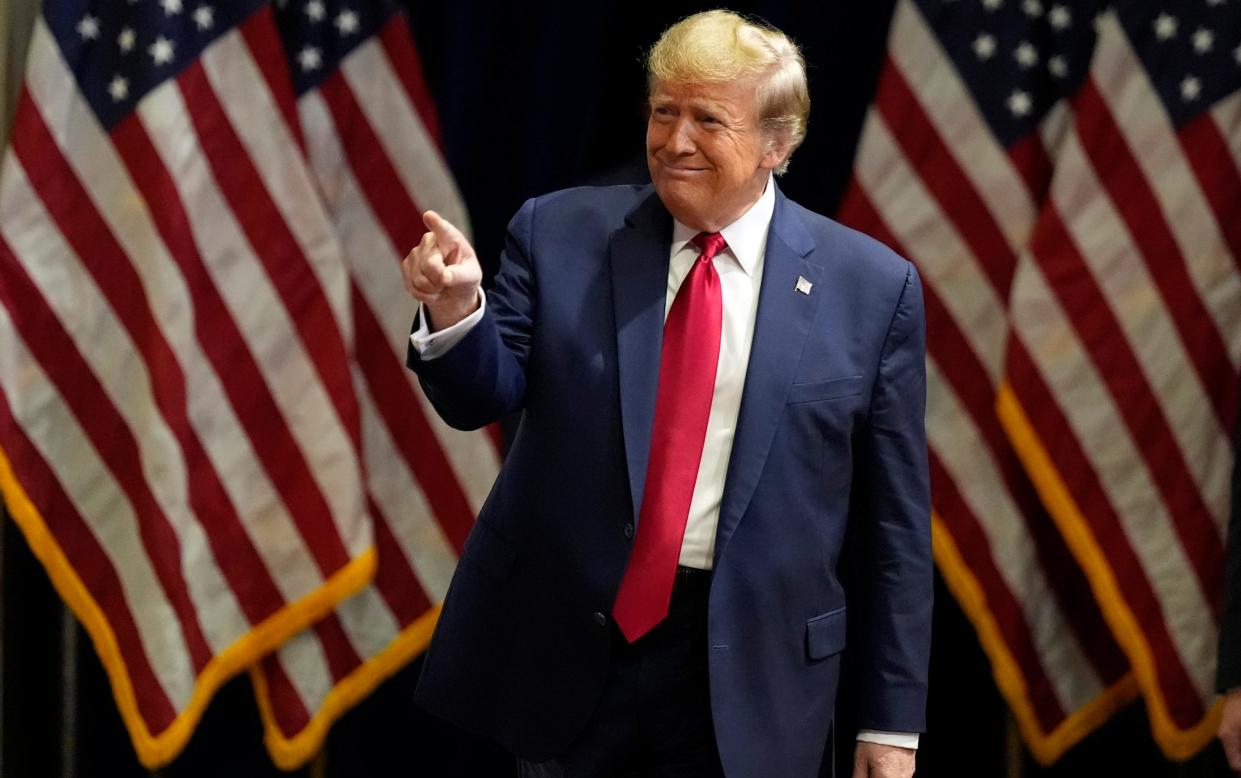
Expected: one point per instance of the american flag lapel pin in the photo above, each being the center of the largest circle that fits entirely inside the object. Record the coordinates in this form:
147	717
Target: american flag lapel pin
803	285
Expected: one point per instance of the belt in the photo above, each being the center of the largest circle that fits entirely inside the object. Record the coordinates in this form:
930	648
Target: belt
690	580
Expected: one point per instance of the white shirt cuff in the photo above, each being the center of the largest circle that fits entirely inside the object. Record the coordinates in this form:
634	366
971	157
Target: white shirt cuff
430	345
900	739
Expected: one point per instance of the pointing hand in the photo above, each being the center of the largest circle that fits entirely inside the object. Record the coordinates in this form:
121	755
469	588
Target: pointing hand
442	272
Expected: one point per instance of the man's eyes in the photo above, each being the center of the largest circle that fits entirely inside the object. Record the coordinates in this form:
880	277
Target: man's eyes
666	112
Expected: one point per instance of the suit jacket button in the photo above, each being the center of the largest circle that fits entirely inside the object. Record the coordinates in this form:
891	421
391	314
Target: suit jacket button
629	531
600	619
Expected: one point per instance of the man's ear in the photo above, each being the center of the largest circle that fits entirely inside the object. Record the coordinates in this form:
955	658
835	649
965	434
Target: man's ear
777	150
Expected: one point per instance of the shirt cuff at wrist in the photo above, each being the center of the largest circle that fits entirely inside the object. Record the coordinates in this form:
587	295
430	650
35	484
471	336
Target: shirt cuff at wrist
899	739
430	345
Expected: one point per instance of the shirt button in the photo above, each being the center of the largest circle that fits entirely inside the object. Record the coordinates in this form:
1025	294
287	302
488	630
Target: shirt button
600	619
629	531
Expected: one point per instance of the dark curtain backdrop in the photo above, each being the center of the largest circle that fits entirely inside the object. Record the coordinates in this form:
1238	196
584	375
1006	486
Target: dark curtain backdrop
532	97
540	96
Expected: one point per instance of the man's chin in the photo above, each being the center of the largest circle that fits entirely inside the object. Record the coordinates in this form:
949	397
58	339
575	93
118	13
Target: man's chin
685	206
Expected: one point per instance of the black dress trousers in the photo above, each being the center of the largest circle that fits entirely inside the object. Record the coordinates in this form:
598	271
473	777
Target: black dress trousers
654	717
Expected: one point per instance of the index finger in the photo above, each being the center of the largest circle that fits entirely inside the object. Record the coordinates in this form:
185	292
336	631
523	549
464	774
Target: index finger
446	234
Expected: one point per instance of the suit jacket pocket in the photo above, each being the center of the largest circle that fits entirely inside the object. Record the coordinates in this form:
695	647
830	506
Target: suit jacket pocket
825	634
831	389
487	549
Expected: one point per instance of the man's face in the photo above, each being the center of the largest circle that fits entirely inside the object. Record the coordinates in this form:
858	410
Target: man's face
707	156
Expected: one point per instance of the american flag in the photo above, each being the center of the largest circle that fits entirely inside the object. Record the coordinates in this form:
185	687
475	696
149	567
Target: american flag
1121	369
952	170
1079	298
370	135
197	424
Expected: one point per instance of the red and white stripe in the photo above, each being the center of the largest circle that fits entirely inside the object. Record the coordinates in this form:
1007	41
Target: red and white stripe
378	167
932	181
1124	360
177	400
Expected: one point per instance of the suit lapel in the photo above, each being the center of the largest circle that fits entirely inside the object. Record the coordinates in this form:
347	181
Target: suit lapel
780	330
638	253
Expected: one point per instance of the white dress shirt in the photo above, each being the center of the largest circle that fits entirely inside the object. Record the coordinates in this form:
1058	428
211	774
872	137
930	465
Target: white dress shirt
740	268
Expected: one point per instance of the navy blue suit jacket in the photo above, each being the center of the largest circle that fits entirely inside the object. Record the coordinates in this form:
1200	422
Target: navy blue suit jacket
830	435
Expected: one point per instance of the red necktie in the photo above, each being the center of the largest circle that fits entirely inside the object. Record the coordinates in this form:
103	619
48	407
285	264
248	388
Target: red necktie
687	365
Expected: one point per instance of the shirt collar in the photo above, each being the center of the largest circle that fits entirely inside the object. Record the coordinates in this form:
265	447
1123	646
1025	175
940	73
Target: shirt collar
746	237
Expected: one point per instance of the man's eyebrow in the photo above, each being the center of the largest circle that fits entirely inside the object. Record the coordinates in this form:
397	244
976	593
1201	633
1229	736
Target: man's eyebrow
702	104
714	108
706	104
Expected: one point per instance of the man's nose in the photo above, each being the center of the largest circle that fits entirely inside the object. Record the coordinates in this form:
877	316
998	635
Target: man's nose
680	139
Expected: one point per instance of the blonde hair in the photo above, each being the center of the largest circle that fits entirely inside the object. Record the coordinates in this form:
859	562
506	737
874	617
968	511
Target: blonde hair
718	46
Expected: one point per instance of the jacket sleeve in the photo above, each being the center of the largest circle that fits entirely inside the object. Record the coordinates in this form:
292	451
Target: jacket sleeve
483	376
892	530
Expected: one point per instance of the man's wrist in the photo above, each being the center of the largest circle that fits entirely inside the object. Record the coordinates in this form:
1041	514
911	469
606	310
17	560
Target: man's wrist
441	314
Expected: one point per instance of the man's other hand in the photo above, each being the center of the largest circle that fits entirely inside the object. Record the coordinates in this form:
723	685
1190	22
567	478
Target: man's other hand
875	760
442	272
1230	729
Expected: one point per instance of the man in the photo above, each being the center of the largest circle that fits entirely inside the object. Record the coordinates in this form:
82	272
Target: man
716	384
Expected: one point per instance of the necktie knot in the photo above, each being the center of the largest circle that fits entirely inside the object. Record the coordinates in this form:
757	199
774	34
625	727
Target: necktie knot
710	244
